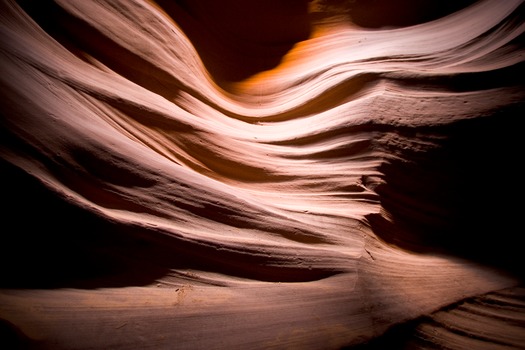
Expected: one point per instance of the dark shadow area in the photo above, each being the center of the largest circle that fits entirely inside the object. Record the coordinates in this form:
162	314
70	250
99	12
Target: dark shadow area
398	337
396	13
235	38
48	243
463	197
11	338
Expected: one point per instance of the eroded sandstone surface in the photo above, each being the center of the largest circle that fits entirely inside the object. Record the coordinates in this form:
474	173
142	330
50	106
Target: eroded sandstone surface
261	175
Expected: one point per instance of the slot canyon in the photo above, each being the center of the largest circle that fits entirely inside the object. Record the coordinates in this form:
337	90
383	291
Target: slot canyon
267	174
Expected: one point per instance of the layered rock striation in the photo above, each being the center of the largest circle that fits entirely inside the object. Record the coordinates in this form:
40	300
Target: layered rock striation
296	174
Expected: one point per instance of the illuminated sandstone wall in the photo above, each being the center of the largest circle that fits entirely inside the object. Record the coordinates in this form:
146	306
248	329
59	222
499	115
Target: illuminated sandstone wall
255	175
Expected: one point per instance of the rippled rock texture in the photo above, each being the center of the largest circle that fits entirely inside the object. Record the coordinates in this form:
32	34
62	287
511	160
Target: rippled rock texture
261	174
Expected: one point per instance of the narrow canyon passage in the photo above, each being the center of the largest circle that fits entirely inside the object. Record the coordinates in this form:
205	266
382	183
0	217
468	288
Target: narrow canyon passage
320	174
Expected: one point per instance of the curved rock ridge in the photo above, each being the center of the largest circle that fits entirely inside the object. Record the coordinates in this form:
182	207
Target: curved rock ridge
301	174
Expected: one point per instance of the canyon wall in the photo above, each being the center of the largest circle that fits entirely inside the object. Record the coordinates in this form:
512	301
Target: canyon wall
261	175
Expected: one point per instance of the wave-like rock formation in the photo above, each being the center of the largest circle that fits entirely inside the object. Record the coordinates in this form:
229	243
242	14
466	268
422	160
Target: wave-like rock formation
261	174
